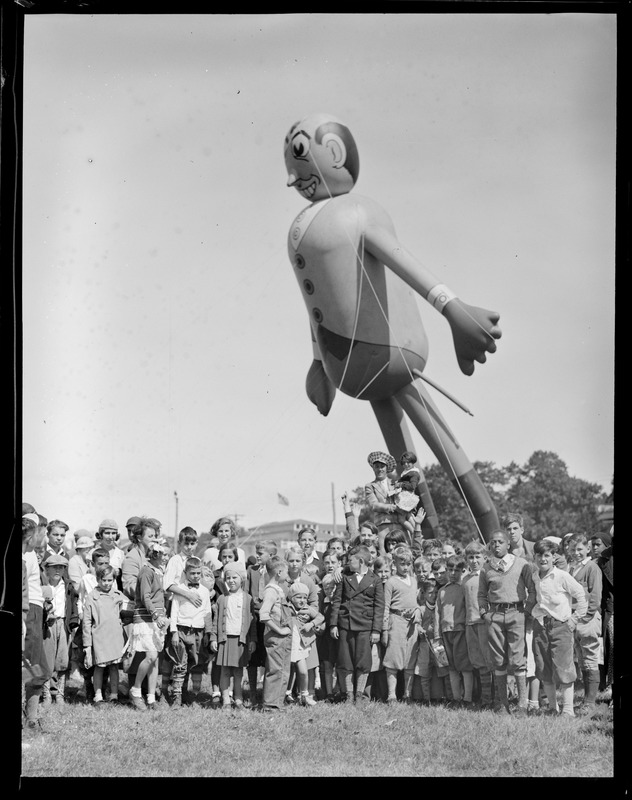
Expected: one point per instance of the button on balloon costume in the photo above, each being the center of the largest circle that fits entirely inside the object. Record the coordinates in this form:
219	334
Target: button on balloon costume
359	285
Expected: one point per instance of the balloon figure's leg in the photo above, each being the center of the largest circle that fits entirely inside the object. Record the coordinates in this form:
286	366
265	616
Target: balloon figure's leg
419	407
394	427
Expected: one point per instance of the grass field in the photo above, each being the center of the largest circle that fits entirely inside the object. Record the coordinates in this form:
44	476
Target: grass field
326	740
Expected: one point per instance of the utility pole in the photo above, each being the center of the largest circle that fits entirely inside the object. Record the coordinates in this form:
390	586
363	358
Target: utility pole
175	494
236	517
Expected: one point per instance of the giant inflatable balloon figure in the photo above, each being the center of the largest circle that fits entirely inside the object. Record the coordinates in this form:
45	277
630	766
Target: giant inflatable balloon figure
358	283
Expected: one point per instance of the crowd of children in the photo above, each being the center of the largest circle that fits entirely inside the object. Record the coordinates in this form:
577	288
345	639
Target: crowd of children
381	614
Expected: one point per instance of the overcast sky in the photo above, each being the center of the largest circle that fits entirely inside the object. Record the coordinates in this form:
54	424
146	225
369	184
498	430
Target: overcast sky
166	342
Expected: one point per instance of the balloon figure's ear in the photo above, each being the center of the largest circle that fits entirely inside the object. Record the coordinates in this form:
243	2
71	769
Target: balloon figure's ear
337	148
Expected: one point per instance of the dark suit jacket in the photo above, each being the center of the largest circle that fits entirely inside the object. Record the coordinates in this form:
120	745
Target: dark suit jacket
358	606
254	577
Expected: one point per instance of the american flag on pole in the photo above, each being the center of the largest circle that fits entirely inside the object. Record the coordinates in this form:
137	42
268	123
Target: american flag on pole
282	499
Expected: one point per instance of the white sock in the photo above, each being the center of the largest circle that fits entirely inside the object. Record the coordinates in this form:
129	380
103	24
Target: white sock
98	696
151	698
134	692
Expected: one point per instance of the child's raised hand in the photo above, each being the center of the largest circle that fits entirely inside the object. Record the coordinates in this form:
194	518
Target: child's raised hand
420	515
345	502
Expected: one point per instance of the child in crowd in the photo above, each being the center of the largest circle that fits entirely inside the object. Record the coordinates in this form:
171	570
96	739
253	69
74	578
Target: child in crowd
357	612
296	558
175	584
439	572
394	538
305	624
587	633
450	548
450	625
400	632
277	618
425	667
56	531
409	475
422	567
339	546
326	646
102	631
150	625
476	638
98	558
256	581
377	686
61	620
190	627
307	542
432	549
227	554
554	622
234	634
79	564
506	591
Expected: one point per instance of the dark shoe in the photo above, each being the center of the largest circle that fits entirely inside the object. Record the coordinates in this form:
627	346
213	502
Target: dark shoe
307	700
289	700
500	708
216	699
152	706
340	697
97	702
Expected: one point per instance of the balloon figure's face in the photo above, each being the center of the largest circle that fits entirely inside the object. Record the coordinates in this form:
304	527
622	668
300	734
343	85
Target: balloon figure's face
321	157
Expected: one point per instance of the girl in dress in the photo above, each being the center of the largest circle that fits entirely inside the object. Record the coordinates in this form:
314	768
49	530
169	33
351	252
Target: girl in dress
400	629
102	631
234	634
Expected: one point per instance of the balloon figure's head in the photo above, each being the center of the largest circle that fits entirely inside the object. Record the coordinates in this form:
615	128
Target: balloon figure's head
321	157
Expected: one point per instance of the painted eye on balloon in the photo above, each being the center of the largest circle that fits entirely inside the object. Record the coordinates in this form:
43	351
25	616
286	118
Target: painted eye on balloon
300	146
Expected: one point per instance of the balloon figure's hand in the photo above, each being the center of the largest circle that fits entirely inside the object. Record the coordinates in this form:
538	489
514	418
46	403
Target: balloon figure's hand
474	331
320	389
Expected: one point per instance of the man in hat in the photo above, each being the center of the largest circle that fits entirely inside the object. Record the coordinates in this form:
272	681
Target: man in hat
381	493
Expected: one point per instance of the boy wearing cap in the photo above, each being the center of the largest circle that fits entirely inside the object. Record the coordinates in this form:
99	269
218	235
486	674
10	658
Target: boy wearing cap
380	494
61	620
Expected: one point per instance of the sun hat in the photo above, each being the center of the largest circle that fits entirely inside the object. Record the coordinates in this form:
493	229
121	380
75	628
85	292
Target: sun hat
555	539
385	458
84	543
132	521
234	568
108	524
297	588
32	518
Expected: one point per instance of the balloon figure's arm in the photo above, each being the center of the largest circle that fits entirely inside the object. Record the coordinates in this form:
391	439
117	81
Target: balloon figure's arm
320	390
474	330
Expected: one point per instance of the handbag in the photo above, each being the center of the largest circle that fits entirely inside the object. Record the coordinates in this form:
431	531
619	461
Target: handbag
437	652
128	656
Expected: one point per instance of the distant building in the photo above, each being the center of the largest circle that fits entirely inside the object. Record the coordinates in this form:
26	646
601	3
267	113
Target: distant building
285	534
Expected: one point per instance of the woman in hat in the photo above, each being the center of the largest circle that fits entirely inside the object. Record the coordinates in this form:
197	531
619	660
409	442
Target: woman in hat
78	565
